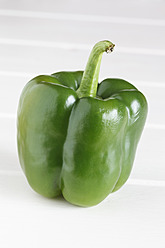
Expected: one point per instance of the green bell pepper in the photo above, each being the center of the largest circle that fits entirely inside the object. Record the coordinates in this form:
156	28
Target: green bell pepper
78	138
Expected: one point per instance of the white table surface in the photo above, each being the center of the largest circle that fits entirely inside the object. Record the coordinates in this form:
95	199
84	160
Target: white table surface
42	37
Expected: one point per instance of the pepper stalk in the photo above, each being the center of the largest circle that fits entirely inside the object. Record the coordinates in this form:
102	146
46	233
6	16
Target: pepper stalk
89	82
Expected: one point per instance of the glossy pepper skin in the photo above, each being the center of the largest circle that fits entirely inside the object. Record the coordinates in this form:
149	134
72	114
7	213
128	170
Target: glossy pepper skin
78	138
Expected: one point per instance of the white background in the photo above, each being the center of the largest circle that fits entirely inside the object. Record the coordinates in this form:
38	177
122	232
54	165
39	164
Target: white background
42	37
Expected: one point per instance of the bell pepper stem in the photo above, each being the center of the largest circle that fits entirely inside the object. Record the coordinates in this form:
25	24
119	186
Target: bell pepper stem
89	82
